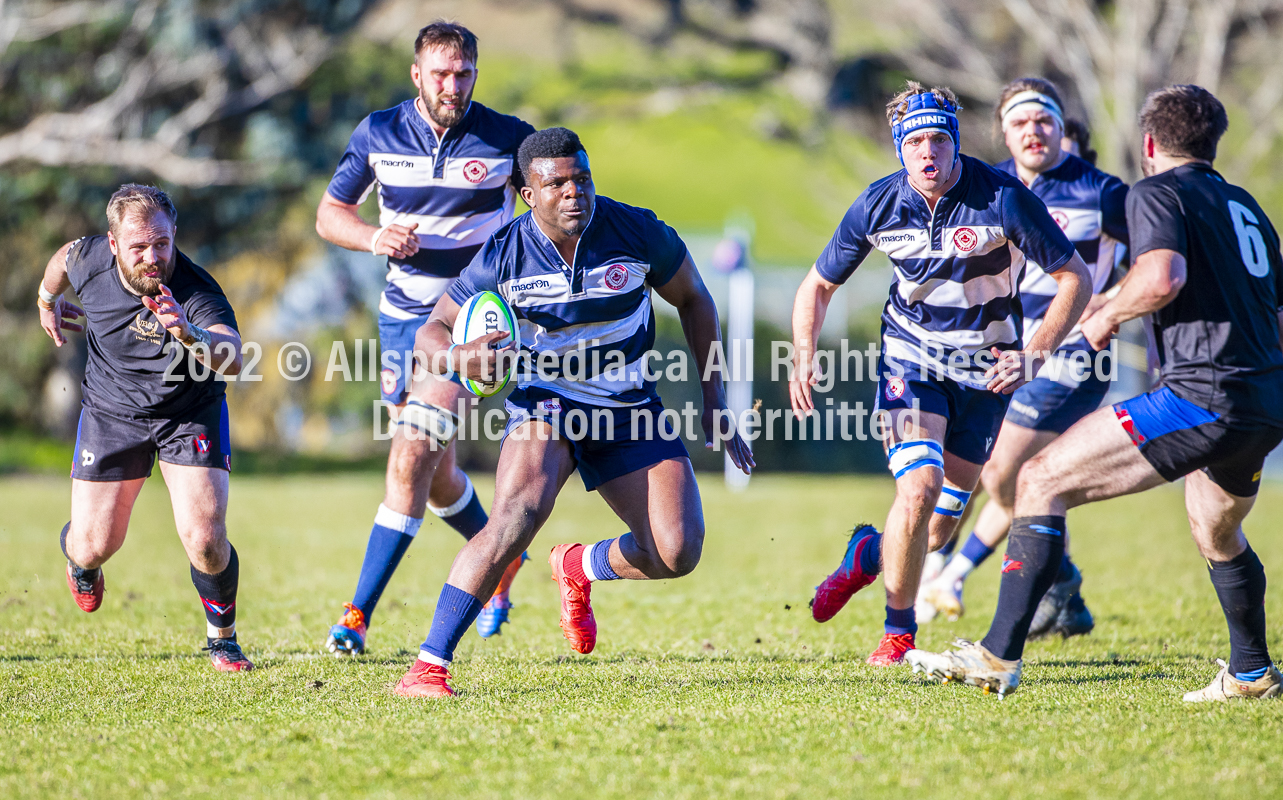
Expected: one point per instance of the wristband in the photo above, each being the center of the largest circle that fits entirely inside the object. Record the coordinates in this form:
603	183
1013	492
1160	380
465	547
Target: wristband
374	240
1113	292
198	336
46	298
449	358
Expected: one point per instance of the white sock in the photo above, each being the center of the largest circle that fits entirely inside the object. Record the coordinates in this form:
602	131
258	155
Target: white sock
387	518
958	568
219	633
587	562
424	655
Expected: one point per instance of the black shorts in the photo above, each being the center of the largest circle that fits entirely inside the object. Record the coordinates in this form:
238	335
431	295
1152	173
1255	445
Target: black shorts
111	448
1177	437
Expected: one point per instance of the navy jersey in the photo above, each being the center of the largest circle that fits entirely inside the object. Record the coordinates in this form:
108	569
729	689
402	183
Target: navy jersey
129	351
1218	341
602	302
1086	203
458	188
957	270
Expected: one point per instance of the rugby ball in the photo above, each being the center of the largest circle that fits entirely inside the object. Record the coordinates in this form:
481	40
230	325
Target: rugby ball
479	315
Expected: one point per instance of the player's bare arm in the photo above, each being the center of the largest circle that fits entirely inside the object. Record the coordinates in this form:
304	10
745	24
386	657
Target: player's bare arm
341	224
1153	282
218	347
809	308
478	359
57	315
1073	291
698	313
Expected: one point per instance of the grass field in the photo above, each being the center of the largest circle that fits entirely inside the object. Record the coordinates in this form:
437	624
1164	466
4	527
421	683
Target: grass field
719	684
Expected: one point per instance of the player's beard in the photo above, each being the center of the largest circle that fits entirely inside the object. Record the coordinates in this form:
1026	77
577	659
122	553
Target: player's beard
447	117
137	279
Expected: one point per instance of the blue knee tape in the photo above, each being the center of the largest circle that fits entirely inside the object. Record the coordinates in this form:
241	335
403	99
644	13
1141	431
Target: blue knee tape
908	456
952	502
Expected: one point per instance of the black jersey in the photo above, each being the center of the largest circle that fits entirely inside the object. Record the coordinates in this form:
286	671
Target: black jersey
129	351
1218	341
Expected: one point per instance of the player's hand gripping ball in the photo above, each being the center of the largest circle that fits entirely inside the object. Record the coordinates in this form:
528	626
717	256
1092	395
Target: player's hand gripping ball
483	314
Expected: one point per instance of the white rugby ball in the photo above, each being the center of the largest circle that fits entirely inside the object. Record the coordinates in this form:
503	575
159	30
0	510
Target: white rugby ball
479	315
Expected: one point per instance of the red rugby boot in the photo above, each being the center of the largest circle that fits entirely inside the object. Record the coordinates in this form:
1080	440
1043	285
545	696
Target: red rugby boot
838	588
891	650
577	621
226	656
86	593
424	680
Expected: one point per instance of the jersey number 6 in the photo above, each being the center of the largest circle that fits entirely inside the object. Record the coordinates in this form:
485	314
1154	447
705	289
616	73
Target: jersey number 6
1251	245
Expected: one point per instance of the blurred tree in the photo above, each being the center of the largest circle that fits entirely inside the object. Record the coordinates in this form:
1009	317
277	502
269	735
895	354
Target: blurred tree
1110	54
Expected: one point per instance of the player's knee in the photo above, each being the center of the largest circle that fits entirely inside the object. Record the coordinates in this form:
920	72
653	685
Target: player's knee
681	560
1036	481
999	482
920	489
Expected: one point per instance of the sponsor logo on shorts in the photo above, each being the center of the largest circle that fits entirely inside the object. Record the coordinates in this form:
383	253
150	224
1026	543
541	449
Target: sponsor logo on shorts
894	389
475	171
87	458
202	443
1024	409
616	277
1009	564
147	330
1129	425
387	379
965	239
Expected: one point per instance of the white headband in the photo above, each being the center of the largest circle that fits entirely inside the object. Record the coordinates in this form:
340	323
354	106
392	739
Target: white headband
1031	96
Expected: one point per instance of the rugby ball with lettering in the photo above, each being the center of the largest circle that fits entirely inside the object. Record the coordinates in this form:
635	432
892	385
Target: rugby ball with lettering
479	315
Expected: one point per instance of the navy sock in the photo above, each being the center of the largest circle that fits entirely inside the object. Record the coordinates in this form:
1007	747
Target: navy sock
389	539
1240	586
218	593
975	550
456	611
948	548
466	515
90	575
871	558
599	560
1029	567
1066	569
901	621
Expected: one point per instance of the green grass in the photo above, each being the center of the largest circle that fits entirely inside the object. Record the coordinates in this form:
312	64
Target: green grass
718	684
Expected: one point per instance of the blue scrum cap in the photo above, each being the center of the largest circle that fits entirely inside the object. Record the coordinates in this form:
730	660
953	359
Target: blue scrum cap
926	112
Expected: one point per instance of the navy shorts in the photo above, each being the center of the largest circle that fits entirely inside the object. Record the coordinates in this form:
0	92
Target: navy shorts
607	443
111	448
1044	405
1177	437
974	415
396	340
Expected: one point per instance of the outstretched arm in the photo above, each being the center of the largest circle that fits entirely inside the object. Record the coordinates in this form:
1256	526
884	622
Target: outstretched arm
809	307
698	313
1153	282
56	314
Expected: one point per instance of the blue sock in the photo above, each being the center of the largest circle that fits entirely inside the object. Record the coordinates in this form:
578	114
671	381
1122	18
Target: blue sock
389	539
456	611
597	561
901	621
975	550
465	515
947	550
871	558
1254	675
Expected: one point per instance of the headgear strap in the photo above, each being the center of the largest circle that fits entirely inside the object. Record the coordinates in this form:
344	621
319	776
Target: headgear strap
1037	98
926	112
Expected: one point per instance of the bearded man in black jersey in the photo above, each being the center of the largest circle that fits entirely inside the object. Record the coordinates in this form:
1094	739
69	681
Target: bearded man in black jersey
158	328
1208	269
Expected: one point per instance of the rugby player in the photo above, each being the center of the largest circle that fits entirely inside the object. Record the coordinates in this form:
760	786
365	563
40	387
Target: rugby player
1208	268
578	271
1086	203
146	305
954	228
444	168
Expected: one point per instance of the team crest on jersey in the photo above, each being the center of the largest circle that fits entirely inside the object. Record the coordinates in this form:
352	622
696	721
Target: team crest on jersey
965	239
475	171
895	388
202	443
552	406
616	277
1061	218
387	379
146	330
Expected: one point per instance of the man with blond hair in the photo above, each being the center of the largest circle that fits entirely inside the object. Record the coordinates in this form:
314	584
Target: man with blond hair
957	231
159	327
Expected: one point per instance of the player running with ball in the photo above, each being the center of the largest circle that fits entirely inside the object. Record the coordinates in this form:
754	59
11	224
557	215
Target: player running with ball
144	394
578	272
443	165
957	232
1087	203
1207	266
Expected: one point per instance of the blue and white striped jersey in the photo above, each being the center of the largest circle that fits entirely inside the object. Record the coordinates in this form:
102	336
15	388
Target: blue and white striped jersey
601	303
957	270
1085	202
458	188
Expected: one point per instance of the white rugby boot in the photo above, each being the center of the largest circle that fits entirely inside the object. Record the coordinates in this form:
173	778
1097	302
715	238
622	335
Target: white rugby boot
969	663
1226	687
